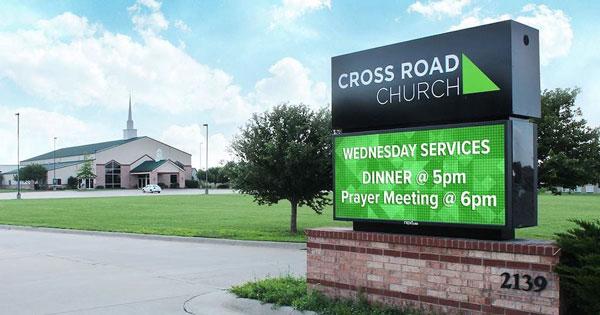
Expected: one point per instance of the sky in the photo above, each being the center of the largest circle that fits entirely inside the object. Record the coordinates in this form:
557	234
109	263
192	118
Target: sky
69	66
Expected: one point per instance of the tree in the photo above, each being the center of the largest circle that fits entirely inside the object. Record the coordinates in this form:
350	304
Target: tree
568	149
285	154
228	171
215	175
86	172
33	172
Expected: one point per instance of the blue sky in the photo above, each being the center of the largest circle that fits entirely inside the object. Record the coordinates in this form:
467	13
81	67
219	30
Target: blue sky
69	66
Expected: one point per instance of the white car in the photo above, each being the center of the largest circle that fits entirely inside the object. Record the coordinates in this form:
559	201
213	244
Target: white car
151	189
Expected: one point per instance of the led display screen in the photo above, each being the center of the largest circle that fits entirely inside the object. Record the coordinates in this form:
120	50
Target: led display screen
453	175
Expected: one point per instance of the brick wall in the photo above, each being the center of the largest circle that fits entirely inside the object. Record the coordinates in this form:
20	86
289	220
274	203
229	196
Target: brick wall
437	274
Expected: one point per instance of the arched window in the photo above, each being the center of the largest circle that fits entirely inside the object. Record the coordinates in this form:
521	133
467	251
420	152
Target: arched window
112	178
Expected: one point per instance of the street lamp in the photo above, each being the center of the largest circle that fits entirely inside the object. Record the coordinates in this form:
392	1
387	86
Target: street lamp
54	166
200	164
18	158
206	173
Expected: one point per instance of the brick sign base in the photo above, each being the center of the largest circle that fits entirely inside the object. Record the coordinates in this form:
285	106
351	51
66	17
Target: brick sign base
436	274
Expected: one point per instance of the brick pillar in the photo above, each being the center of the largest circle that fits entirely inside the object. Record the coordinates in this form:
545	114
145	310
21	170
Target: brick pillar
444	275
100	171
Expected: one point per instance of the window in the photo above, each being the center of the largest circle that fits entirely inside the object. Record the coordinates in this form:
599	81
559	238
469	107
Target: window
112	175
173	179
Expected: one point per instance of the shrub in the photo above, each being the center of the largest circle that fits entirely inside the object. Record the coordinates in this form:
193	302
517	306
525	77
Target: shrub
174	185
579	268
192	184
72	182
99	187
162	186
223	186
292	291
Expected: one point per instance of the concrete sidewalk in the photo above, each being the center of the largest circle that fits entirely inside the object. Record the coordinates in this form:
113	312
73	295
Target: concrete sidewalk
48	194
44	272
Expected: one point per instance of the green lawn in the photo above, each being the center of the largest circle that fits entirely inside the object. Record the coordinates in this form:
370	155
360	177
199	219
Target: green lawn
230	216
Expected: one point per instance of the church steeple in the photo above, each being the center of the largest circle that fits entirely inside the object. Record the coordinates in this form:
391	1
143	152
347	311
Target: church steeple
130	132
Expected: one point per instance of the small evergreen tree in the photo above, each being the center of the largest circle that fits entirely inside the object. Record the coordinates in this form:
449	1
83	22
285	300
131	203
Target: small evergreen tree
72	182
579	267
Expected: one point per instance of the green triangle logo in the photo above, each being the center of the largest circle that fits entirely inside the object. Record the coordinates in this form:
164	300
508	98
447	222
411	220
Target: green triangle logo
474	80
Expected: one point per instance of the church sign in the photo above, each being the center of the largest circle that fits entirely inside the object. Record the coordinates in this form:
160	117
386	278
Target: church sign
433	134
483	73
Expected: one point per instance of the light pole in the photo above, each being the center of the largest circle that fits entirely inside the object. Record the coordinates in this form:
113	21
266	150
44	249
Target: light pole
18	158
206	173
200	163
54	166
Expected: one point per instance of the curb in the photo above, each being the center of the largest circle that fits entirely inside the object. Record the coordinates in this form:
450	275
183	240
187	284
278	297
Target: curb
155	237
223	302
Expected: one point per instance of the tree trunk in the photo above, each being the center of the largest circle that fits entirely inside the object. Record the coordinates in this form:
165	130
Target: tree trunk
293	226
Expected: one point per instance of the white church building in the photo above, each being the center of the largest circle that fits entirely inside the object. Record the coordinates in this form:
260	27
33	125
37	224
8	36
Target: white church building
131	162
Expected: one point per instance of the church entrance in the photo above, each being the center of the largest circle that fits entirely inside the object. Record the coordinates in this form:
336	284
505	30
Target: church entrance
143	180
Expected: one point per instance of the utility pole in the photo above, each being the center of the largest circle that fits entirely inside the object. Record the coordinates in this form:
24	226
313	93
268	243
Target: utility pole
18	159
206	173
54	166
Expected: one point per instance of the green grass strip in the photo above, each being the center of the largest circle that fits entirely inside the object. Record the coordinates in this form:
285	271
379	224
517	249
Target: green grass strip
292	291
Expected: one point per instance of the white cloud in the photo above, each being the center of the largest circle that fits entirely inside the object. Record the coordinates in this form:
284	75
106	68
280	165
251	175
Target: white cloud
556	34
68	60
439	8
84	66
475	20
182	26
290	82
147	17
191	139
37	130
290	10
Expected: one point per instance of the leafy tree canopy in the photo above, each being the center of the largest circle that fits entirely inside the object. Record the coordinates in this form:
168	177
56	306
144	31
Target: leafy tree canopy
568	149
285	154
33	172
86	172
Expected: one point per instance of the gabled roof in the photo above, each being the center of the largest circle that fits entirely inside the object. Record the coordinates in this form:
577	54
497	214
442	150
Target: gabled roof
148	166
80	150
50	166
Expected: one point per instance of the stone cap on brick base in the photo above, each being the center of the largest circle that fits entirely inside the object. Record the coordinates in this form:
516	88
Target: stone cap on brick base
517	246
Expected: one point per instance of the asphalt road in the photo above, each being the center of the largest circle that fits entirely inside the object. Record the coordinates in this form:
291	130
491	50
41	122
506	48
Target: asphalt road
58	273
104	193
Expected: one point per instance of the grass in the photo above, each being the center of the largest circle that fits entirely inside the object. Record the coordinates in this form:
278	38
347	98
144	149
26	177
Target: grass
233	216
222	216
292	291
554	213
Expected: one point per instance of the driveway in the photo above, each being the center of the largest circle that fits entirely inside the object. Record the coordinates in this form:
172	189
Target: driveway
62	273
104	193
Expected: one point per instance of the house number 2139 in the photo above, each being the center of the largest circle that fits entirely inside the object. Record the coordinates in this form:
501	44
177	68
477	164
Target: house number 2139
523	282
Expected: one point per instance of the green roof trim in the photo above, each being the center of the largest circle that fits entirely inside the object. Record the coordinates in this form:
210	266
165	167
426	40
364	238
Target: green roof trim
80	150
49	166
148	166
